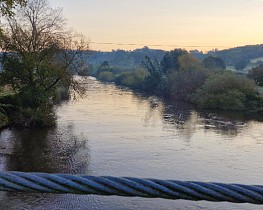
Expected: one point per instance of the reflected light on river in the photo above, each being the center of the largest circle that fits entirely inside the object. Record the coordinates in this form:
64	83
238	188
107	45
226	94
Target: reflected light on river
113	131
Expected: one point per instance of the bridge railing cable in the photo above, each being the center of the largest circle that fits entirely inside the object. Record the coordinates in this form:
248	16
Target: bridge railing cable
131	187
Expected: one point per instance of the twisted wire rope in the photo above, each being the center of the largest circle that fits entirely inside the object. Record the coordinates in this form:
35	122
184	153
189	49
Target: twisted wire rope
128	186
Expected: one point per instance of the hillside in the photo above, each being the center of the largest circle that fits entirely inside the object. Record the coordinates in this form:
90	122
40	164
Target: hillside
239	57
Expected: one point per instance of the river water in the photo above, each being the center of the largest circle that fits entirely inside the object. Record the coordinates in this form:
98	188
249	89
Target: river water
114	132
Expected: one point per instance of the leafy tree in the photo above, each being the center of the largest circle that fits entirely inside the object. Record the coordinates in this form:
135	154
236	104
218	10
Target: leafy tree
40	56
191	75
155	75
188	62
105	66
170	61
212	62
226	91
257	75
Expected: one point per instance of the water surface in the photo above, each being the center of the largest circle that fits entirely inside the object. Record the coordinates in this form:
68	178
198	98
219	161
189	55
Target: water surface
115	132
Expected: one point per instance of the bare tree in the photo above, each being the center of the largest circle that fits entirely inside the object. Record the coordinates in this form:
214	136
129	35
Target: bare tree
7	6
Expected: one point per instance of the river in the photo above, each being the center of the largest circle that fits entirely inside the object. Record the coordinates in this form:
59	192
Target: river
113	131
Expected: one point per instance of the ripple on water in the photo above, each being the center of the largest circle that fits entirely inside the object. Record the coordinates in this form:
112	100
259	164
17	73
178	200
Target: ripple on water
115	132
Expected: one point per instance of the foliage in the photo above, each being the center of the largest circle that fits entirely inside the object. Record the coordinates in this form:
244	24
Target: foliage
106	76
7	6
190	76
125	60
36	117
187	62
3	120
190	80
241	65
104	67
3	116
133	59
212	62
40	56
257	75
134	79
239	54
170	61
155	75
226	91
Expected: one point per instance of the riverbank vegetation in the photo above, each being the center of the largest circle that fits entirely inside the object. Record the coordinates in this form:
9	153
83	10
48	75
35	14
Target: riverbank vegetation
180	76
39	60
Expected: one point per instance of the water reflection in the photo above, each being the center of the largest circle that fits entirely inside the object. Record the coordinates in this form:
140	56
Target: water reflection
223	125
54	150
183	117
129	136
184	120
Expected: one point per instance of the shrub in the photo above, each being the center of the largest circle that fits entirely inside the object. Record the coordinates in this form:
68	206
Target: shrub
226	91
3	118
134	79
106	76
257	74
34	117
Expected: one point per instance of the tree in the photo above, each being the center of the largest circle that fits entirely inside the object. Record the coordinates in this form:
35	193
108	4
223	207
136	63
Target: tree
241	65
104	66
257	75
7	6
40	56
188	62
212	62
170	60
155	76
191	75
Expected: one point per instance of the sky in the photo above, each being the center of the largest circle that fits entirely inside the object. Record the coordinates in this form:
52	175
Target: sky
165	24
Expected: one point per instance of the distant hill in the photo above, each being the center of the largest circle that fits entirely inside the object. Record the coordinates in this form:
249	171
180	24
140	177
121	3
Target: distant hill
248	55
125	59
244	56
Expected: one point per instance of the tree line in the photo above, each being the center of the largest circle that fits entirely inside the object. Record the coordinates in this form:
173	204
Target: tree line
180	76
238	58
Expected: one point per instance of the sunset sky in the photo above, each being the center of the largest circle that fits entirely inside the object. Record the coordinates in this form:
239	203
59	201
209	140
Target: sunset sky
166	24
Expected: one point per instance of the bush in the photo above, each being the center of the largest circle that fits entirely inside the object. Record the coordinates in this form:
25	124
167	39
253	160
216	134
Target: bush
226	91
106	76
34	117
3	118
257	75
230	100
134	79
